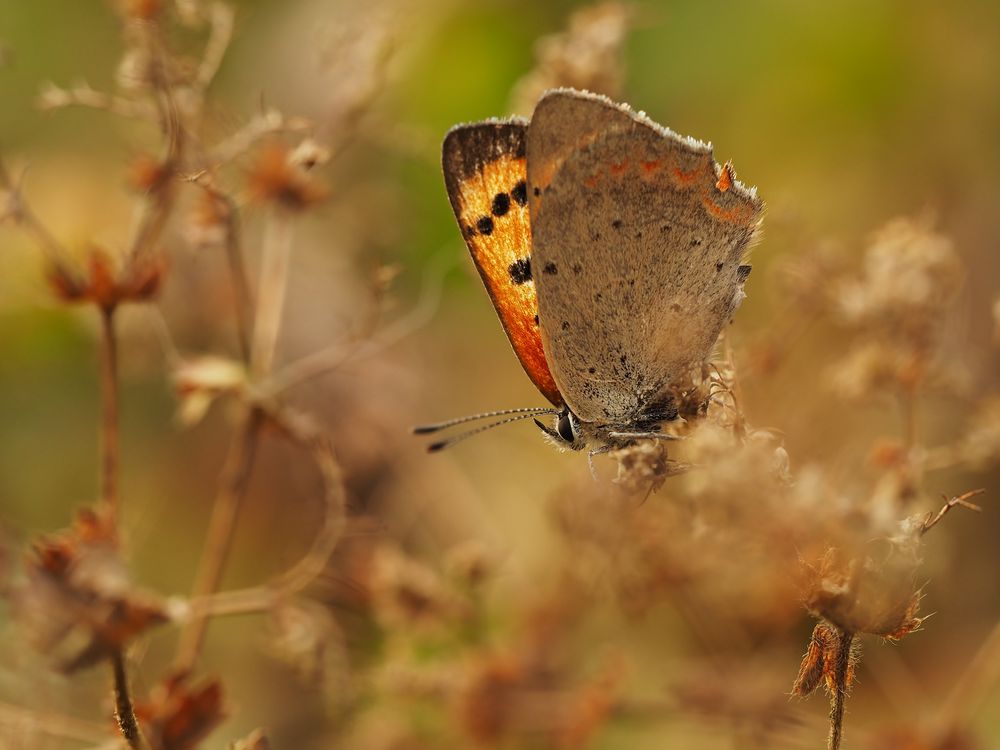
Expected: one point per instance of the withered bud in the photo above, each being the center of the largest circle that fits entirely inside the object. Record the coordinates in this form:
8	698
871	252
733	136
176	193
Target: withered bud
276	178
147	174
177	716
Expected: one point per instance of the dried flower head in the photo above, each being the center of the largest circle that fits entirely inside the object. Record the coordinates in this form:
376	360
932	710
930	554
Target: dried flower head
588	55
105	283
77	603
149	175
282	176
178	716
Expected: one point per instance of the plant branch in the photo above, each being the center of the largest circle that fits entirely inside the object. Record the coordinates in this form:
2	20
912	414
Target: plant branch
124	713
301	430
331	358
963	500
840	687
158	209
109	414
218	542
271	290
19	210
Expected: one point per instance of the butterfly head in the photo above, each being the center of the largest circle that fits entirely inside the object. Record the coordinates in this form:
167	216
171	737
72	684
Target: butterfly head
566	431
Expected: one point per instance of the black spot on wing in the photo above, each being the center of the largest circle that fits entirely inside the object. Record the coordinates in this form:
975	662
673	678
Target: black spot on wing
743	272
520	271
520	193
485	225
501	204
550	269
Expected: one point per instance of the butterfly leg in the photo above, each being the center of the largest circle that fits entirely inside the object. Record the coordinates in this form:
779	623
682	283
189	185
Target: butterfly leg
644	436
590	459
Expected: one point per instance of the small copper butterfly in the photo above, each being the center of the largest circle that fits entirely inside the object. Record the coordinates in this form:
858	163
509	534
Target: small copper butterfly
614	252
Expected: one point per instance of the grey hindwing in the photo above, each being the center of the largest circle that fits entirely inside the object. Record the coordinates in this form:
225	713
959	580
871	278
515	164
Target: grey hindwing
635	275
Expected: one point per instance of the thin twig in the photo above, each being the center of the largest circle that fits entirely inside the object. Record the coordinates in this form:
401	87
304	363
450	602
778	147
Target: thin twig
160	207
234	256
109	413
124	713
838	698
266	123
82	95
221	20
274	266
218	542
932	519
19	211
301	430
329	359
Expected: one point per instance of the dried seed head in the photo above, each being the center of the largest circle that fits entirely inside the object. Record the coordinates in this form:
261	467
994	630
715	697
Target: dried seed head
276	177
77	604
588	55
147	174
177	716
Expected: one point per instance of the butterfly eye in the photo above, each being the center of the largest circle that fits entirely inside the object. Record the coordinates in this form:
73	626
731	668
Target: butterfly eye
565	428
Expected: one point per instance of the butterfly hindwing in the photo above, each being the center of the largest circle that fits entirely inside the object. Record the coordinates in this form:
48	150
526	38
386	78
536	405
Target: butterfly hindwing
485	173
639	238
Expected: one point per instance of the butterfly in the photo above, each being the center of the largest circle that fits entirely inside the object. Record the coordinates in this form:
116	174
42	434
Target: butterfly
613	250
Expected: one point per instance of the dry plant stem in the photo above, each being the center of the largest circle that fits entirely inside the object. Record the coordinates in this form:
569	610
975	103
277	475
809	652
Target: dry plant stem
23	215
329	359
109	414
237	270
159	209
838	696
963	500
221	20
124	713
271	291
305	571
235	479
234	257
56	97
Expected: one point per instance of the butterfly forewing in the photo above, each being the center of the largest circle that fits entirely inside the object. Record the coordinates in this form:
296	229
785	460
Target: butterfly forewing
638	238
485	173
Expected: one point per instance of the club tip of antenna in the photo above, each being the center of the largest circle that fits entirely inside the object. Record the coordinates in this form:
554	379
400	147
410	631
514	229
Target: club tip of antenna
438	446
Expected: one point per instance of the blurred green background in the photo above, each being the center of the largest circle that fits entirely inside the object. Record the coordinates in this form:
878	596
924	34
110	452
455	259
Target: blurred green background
844	115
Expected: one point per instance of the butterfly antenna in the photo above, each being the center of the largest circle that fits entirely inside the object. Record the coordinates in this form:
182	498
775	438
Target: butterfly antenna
442	444
526	411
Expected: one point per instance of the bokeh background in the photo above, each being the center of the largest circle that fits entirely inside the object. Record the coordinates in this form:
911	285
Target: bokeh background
844	116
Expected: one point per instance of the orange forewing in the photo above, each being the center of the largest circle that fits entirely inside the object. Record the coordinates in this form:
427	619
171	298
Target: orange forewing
485	172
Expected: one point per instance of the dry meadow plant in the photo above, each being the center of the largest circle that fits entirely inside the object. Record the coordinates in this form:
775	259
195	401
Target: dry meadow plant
446	643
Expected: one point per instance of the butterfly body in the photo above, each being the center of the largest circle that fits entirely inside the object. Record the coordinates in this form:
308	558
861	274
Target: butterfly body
613	251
